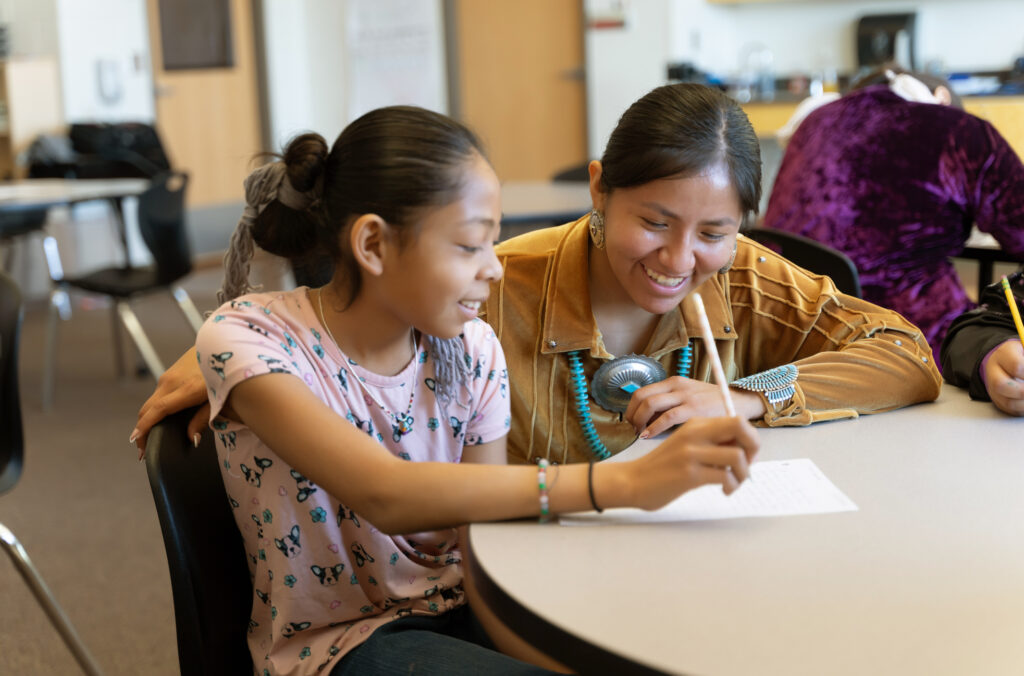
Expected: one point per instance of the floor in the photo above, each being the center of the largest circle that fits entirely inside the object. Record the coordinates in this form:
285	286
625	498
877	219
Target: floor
83	508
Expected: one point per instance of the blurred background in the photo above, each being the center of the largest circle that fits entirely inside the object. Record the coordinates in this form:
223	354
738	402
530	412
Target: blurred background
543	81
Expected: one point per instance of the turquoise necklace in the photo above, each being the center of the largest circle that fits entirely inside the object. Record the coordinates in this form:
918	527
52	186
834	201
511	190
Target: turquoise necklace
684	361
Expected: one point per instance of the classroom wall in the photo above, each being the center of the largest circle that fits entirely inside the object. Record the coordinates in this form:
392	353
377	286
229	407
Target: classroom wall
329	61
803	36
30	26
106	73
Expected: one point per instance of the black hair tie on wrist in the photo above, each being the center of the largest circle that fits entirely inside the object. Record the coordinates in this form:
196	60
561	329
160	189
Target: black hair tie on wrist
590	487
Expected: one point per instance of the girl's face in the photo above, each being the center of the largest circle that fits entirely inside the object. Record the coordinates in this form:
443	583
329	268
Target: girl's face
667	237
443	273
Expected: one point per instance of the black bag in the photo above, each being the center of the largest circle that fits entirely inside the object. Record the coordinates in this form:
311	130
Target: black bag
122	150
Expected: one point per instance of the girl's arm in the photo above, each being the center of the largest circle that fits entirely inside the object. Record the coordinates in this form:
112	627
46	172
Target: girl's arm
506	640
403	497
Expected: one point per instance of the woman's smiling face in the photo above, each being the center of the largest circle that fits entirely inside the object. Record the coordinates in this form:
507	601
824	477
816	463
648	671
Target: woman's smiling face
665	238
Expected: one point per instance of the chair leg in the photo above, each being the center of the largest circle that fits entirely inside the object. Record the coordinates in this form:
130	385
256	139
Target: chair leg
131	323
188	307
45	598
59	308
115	331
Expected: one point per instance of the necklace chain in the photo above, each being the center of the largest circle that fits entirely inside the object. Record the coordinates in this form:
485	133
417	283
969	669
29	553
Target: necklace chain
401	423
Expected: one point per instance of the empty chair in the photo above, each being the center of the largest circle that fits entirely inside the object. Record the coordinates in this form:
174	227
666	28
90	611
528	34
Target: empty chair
811	255
210	579
161	218
11	454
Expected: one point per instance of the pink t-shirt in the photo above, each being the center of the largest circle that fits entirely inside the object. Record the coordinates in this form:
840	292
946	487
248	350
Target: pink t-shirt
324	578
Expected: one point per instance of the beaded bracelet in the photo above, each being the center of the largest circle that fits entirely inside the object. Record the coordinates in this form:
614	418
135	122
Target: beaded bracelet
590	488
542	486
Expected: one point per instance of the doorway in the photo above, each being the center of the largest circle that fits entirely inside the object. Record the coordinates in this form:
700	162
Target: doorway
516	75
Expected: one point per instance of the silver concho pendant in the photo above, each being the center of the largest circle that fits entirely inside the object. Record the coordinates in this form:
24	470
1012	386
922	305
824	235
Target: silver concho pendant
616	380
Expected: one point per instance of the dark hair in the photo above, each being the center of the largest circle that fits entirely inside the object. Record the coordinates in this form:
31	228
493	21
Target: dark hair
392	161
880	76
681	130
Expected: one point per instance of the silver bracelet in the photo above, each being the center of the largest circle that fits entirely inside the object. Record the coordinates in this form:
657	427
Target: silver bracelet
777	384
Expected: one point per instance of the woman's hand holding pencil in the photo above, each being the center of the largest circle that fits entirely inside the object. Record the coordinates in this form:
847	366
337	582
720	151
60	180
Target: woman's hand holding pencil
658	407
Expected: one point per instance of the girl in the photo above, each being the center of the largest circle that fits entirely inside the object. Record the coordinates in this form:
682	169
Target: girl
360	422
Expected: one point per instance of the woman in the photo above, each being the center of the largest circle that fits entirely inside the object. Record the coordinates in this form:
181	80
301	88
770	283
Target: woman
679	177
894	174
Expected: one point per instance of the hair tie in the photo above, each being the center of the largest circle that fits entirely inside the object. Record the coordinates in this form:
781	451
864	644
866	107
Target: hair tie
264	185
908	87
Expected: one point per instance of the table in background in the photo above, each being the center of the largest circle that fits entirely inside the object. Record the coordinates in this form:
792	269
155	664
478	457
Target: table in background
926	578
44	193
528	205
983	248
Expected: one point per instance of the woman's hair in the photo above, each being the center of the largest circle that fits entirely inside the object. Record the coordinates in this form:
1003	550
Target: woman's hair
680	130
394	162
880	75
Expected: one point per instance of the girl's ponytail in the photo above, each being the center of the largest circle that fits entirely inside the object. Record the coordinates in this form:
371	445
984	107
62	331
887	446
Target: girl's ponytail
282	212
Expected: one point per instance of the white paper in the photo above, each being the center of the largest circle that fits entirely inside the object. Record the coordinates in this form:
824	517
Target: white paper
779	488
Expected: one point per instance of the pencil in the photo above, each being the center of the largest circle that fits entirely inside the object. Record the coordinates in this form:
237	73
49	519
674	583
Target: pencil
1013	309
716	362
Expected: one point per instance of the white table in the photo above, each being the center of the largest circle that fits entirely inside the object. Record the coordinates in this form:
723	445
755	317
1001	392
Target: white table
44	193
984	248
926	578
35	193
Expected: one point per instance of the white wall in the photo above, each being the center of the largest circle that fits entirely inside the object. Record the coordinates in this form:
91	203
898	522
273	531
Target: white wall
623	63
329	61
104	57
961	35
803	37
30	25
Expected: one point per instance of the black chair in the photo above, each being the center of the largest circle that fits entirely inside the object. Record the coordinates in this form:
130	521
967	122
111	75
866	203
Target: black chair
14	225
578	172
811	255
11	453
162	225
210	579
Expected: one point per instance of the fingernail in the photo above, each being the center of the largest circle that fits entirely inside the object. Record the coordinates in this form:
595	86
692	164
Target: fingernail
134	436
195	439
142	454
645	435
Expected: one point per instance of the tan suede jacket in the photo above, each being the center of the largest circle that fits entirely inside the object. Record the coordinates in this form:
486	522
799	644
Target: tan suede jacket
853	357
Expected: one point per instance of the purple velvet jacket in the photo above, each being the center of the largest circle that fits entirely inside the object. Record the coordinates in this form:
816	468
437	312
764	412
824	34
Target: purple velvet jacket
896	186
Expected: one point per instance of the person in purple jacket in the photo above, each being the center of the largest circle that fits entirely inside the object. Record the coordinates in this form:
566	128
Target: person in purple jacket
895	177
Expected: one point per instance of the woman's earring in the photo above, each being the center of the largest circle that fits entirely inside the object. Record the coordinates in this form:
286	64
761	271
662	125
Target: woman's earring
725	268
597	228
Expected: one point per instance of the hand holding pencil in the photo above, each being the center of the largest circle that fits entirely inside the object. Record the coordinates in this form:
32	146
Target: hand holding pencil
656	408
1003	368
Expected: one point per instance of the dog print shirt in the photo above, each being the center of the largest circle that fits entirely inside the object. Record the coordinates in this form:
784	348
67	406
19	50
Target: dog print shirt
324	578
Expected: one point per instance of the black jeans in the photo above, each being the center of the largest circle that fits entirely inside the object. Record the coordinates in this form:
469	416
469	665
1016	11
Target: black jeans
452	644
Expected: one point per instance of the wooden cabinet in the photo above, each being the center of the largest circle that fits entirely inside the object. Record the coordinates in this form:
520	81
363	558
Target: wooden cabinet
1005	113
29	105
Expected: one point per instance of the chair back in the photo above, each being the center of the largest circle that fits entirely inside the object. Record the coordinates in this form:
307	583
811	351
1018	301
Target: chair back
575	173
12	446
811	255
210	579
162	225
